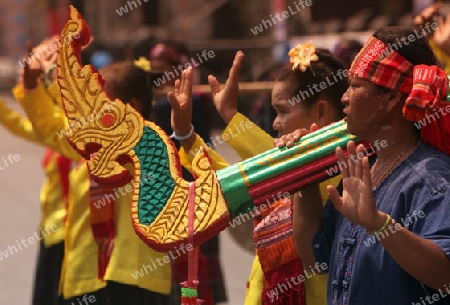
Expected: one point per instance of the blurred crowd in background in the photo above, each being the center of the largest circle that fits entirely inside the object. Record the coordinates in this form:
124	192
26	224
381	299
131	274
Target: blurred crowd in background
129	30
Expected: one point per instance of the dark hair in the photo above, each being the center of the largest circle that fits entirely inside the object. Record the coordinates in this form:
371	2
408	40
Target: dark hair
129	81
324	69
416	52
174	52
347	50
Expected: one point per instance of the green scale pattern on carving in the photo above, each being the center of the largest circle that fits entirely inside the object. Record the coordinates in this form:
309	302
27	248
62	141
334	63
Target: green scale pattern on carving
156	182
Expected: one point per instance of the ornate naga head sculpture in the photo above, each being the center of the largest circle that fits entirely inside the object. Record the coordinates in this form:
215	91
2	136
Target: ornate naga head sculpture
119	136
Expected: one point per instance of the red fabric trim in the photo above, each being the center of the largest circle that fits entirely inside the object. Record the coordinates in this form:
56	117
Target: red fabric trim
381	65
102	223
47	156
104	236
279	288
64	165
426	87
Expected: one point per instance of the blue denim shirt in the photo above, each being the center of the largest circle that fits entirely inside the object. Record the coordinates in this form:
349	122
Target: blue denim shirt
361	272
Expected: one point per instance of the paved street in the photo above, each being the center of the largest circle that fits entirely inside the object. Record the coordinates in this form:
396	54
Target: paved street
21	177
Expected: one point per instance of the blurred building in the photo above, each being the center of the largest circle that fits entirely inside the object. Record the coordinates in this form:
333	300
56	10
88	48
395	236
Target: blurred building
220	25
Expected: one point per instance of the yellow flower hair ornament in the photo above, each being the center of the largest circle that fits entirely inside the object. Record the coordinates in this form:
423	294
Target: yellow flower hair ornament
144	64
302	56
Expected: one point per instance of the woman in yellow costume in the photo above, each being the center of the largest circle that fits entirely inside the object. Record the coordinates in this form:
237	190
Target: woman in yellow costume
276	268
53	197
105	261
439	37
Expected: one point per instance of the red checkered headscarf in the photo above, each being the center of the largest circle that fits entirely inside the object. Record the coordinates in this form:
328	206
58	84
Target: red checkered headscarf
426	87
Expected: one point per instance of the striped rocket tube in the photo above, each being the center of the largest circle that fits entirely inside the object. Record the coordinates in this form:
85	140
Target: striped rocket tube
252	182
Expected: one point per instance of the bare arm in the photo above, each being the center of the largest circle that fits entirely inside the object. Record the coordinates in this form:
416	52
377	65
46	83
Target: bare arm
420	257
306	222
307	207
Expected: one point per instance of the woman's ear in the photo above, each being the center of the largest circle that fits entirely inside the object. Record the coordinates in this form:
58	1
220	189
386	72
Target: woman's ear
395	99
325	113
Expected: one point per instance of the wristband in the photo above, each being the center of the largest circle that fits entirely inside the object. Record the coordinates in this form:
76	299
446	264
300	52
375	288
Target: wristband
47	79
50	68
383	227
182	138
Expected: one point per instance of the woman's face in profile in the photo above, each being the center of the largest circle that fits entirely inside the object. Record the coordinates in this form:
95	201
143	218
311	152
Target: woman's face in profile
291	115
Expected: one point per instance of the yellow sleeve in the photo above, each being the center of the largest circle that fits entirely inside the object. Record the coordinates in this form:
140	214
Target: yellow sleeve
18	93
16	123
49	121
186	157
441	56
246	138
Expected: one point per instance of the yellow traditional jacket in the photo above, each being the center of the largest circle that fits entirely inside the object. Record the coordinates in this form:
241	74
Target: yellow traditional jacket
130	258
51	199
250	141
441	56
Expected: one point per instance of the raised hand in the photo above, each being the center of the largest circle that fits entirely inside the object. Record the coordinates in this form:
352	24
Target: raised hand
357	203
181	102
40	58
427	14
441	35
225	100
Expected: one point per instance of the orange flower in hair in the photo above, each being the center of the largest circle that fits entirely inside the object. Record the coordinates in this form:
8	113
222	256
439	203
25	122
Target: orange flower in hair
302	55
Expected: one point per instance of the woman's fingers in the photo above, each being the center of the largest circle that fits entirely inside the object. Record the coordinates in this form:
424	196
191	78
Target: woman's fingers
359	162
343	163
177	87
173	101
214	84
233	76
366	172
291	138
188	82
314	127
280	142
334	196
351	157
